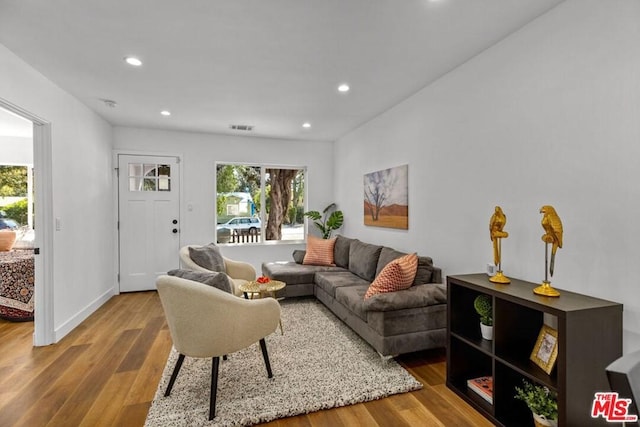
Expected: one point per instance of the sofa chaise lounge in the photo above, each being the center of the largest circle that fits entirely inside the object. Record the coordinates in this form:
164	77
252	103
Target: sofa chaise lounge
393	323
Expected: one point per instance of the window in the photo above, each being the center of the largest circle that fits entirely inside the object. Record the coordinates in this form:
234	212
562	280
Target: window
241	215
16	193
149	177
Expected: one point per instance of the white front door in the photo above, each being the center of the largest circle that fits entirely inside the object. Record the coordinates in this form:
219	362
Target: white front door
149	219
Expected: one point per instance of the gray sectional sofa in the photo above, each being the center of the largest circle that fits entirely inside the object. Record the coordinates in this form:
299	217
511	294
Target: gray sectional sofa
393	323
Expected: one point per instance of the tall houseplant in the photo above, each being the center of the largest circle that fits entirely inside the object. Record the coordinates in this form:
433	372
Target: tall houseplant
330	219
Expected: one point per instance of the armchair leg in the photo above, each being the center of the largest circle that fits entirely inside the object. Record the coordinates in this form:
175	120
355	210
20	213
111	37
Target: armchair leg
174	375
214	387
263	346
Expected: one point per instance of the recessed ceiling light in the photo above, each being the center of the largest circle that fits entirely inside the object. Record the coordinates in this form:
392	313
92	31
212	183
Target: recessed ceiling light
110	103
165	113
343	87
306	125
132	60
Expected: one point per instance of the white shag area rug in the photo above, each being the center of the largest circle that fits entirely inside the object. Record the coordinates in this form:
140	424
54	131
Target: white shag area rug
319	363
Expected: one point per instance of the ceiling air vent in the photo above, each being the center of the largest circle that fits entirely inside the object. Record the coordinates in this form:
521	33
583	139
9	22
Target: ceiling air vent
246	128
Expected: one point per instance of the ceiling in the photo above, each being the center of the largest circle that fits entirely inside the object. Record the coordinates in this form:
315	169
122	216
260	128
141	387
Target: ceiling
271	64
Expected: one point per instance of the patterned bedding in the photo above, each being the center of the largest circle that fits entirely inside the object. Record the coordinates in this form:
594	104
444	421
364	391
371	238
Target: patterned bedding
17	285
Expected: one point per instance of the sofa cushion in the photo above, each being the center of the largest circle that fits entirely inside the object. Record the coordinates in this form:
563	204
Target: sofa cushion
363	259
425	271
341	251
395	276
319	251
298	255
215	279
330	281
292	273
207	256
352	297
386	256
410	321
415	296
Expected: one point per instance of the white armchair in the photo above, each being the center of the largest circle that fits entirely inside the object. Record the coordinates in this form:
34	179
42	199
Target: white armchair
207	322
239	272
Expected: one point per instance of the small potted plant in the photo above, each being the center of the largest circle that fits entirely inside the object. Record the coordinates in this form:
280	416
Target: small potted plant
542	402
482	304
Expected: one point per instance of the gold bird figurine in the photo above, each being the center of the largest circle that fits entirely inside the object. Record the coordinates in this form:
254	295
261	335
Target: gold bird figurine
553	232
496	226
496	232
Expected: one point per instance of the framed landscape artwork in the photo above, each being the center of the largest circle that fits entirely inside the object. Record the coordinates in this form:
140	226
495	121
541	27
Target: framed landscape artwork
386	198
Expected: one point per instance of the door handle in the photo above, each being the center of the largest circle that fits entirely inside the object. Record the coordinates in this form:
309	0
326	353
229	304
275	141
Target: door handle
175	221
175	230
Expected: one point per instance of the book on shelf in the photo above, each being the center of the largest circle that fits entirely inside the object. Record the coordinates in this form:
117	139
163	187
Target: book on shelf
483	386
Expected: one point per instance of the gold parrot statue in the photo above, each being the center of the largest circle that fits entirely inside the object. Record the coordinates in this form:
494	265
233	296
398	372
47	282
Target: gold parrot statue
497	233
553	236
553	232
496	226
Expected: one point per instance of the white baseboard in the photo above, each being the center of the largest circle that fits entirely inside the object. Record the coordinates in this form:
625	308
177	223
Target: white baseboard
79	317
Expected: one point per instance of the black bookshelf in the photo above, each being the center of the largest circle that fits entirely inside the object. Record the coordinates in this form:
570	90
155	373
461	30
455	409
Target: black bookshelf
589	339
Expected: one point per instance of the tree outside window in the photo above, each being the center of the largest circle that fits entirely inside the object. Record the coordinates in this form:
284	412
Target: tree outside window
13	193
242	217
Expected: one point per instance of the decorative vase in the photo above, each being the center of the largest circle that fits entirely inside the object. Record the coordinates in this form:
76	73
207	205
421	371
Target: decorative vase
486	331
7	239
542	421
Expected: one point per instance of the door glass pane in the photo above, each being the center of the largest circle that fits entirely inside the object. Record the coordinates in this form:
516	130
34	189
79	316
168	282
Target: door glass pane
149	170
164	182
149	184
164	170
135	184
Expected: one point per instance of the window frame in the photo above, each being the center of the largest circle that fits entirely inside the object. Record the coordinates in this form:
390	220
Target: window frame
262	213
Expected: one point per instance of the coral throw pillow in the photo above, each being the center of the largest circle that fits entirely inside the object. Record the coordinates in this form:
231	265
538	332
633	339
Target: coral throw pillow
395	276
319	251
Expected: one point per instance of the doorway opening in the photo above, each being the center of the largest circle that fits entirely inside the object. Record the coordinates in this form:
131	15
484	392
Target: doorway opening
17	269
26	292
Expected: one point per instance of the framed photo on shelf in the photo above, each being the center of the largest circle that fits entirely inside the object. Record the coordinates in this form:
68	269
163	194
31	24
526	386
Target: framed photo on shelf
545	351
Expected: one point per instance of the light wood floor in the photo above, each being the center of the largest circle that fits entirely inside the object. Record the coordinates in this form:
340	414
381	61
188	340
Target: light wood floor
106	371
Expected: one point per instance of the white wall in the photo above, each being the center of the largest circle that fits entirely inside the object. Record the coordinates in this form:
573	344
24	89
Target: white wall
200	152
81	149
16	150
550	115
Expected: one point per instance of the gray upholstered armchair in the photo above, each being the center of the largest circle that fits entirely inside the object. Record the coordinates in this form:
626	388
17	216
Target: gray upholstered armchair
207	322
239	272
624	377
